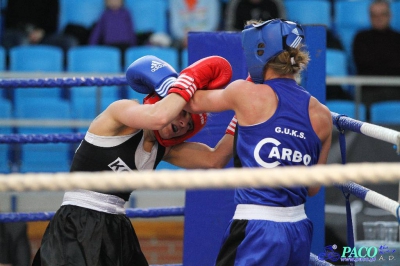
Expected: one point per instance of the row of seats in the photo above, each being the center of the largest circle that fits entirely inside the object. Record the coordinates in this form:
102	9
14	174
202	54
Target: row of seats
94	58
386	112
344	17
48	157
105	59
148	15
151	15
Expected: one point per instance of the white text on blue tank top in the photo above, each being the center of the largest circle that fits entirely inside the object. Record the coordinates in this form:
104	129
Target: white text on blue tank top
291	132
279	153
119	166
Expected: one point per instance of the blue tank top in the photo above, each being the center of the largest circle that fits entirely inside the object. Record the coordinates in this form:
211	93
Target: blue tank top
287	138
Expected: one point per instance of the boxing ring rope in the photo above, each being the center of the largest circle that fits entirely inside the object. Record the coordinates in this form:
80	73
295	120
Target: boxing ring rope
130	212
378	132
202	179
189	179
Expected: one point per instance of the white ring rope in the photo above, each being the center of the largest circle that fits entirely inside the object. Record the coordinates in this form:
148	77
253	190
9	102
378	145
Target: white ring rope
381	133
382	202
191	179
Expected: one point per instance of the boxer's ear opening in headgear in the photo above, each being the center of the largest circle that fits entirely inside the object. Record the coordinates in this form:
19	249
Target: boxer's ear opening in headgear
261	42
199	121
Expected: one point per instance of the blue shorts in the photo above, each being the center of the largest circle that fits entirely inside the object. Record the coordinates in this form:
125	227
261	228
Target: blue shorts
263	242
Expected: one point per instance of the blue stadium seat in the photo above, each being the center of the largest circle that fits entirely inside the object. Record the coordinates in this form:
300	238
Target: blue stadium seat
48	157
80	12
44	109
36	58
148	15
93	59
336	63
387	112
346	36
184	58
352	13
5	113
395	7
350	17
309	11
5	162
168	54
348	108
2	58
337	66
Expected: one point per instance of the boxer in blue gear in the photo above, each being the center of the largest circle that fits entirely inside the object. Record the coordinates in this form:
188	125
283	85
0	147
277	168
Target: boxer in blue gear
277	123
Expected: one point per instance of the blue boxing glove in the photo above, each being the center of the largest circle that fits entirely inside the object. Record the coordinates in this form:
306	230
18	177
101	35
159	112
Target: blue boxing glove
150	74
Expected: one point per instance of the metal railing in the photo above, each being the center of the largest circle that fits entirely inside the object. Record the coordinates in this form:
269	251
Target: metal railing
359	81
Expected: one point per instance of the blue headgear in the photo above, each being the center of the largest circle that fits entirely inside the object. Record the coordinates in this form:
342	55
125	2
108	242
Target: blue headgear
264	41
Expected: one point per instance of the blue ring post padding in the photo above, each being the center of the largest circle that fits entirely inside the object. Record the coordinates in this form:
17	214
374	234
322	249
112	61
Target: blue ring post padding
207	212
314	81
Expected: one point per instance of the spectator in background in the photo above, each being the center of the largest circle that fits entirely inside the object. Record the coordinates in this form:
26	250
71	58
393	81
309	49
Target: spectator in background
33	22
376	52
114	28
192	15
238	12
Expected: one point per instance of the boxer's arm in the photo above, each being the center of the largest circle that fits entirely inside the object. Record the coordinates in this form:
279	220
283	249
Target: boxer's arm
218	100
144	116
194	155
209	73
321	120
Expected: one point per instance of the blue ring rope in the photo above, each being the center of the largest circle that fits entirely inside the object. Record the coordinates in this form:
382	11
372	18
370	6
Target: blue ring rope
131	213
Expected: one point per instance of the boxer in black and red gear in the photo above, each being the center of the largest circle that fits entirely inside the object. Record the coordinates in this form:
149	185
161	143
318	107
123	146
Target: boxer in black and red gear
91	227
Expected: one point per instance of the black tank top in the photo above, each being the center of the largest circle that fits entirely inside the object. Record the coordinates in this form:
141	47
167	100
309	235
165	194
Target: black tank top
91	158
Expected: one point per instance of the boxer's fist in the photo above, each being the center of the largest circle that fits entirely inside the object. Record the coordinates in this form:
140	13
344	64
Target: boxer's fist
210	73
232	126
150	74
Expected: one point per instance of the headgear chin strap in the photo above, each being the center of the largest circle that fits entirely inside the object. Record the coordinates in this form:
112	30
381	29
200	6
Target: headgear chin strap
199	121
263	41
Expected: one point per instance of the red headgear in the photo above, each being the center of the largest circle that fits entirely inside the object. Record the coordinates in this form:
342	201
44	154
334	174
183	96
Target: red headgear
199	121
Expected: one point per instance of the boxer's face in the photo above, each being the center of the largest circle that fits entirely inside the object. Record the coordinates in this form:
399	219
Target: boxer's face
178	127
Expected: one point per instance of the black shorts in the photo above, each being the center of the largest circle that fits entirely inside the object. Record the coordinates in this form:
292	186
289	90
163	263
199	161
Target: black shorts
80	236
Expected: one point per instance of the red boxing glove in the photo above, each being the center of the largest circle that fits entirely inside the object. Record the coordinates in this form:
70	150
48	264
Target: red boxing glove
212	72
232	126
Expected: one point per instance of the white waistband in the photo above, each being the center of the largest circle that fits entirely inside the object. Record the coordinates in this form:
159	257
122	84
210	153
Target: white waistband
275	214
94	201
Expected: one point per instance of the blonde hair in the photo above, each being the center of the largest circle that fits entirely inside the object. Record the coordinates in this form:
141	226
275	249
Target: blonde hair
291	61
